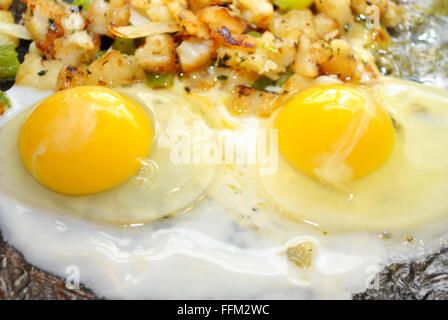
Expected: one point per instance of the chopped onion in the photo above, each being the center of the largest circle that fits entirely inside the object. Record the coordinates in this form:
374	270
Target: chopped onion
15	30
144	30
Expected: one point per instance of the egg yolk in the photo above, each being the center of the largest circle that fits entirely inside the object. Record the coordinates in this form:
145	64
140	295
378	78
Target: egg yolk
85	140
334	133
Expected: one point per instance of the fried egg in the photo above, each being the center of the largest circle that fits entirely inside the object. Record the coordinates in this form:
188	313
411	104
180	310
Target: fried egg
137	223
367	158
99	154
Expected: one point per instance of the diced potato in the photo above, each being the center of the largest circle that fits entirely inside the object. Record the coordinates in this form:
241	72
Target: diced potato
342	61
141	5
158	11
310	55
199	4
111	69
75	47
114	69
231	57
34	49
260	63
82	39
38	73
6	16
271	57
316	56
69	53
378	38
188	21
157	55
101	13
71	76
5	4
246	36
256	11
393	14
217	17
239	59
119	12
337	9
43	19
297	83
279	51
292	24
195	53
73	21
223	37
97	14
326	27
361	6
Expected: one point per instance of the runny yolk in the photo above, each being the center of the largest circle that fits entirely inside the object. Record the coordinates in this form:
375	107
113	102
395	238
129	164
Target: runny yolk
85	140
334	133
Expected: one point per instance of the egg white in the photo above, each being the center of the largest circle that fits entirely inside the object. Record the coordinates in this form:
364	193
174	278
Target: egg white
230	245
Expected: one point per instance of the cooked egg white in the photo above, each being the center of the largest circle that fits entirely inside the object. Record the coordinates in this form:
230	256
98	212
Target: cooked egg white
244	235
